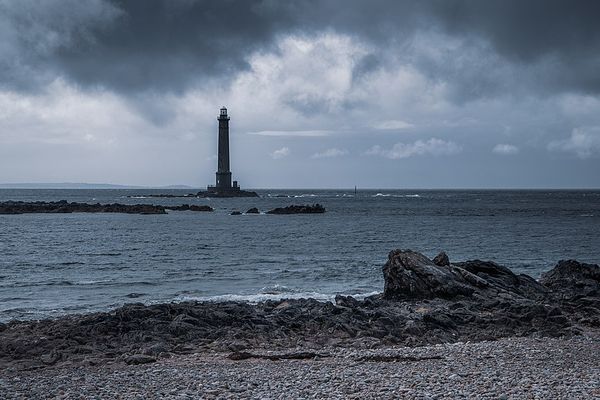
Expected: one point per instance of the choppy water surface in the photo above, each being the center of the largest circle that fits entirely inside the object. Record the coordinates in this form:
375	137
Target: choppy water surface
52	264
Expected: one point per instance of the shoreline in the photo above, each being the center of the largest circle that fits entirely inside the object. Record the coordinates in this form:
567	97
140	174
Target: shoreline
507	368
424	302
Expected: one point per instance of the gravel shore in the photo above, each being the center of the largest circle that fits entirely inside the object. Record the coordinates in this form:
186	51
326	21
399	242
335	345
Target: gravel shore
528	368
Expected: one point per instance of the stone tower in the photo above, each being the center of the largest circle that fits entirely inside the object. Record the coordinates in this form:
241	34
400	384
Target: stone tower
223	181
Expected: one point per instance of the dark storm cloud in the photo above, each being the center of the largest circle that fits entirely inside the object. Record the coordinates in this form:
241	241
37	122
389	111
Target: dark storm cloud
158	45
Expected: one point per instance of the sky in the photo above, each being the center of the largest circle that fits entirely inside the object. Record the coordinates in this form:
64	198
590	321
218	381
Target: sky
321	94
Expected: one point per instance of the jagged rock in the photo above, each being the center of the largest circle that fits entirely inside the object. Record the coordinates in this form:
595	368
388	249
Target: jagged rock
441	260
570	279
253	210
503	279
295	209
189	207
411	275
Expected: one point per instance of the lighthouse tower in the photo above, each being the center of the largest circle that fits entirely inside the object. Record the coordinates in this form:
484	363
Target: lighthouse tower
223	184
223	173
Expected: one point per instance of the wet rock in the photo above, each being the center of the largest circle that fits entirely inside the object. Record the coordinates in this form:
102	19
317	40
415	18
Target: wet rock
570	279
62	206
298	209
253	210
411	275
235	213
20	207
441	260
189	207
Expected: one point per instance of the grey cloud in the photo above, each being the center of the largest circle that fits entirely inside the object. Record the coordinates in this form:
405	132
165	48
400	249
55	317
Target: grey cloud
157	45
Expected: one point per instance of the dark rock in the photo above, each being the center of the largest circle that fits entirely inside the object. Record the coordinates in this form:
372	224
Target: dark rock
411	275
188	207
295	209
570	279
20	207
441	260
501	278
253	210
235	213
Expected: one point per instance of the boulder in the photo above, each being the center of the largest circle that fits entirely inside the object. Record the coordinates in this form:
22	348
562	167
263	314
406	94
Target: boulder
235	213
411	275
253	210
570	279
441	260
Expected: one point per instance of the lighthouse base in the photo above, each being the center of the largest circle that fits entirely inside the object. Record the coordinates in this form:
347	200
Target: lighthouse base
234	191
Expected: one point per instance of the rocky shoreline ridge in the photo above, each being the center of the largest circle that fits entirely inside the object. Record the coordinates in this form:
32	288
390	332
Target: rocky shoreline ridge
293	209
423	302
63	206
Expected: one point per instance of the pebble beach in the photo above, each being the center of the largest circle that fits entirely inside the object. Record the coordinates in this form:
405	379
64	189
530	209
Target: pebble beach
511	368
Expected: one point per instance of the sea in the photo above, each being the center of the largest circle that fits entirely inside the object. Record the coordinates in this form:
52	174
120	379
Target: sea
57	264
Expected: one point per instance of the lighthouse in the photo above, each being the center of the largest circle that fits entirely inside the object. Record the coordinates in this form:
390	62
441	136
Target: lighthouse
223	181
223	186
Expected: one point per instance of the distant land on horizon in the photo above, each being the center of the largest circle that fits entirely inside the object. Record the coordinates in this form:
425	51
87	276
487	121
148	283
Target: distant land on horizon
78	185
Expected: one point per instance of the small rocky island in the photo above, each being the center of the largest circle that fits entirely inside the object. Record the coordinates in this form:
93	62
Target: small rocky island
293	209
423	302
63	206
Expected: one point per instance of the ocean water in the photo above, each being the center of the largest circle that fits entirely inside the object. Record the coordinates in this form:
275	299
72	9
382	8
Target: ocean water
54	264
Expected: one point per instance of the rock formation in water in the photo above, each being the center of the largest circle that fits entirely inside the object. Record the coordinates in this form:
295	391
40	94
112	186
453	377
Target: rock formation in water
294	209
62	206
189	207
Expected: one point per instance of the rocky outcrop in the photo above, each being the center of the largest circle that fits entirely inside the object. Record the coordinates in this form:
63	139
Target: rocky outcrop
441	260
571	279
20	207
295	209
188	207
253	210
409	275
576	288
